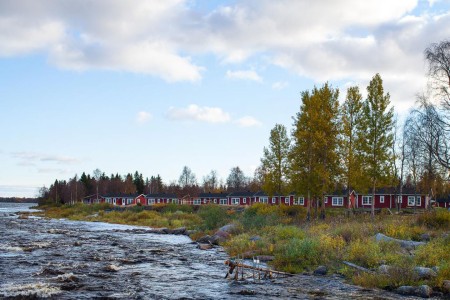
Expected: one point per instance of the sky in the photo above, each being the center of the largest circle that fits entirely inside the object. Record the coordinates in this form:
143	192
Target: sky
152	85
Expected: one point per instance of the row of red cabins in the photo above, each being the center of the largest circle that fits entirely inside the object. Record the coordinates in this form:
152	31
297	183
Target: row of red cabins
384	198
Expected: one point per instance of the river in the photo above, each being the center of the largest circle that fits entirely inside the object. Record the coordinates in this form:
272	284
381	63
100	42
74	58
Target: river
61	259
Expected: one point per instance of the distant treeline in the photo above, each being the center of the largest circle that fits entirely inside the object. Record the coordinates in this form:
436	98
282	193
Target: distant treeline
18	200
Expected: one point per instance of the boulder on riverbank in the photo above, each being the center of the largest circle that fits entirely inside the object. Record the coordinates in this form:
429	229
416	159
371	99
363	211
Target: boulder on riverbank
321	270
423	291
410	245
220	236
204	246
424	273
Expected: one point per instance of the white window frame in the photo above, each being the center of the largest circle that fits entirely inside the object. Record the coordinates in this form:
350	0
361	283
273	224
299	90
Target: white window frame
244	200
337	201
381	199
215	201
223	201
286	200
197	201
418	201
235	201
325	200
158	200
264	199
411	200
301	200
151	201
114	201
274	200
400	199
366	200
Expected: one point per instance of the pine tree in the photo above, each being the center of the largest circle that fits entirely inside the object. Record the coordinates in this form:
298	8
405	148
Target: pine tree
275	161
314	155
378	137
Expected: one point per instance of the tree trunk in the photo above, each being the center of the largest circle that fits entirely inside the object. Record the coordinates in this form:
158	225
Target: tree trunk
373	202
308	214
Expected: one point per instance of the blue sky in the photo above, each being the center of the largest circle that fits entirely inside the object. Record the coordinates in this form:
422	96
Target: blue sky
155	85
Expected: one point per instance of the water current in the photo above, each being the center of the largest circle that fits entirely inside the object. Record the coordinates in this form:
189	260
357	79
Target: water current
61	259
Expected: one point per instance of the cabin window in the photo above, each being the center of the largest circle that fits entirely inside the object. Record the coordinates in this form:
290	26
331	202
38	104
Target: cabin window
274	200
381	199
286	200
367	200
399	199
151	201
215	201
114	201
235	201
264	199
337	201
299	201
411	201
326	199
197	201
418	201
245	200
158	201
223	202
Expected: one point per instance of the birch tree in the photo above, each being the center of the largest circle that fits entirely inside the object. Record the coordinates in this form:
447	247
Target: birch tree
314	155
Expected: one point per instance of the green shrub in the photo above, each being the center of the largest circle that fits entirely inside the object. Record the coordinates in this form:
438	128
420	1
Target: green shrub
437	219
281	233
172	207
213	216
434	253
297	254
239	244
366	253
398	274
260	215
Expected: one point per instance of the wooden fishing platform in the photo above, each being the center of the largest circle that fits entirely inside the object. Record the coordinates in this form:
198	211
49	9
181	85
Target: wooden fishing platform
254	271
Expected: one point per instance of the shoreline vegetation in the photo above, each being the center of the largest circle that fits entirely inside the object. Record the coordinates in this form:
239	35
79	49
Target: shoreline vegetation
293	245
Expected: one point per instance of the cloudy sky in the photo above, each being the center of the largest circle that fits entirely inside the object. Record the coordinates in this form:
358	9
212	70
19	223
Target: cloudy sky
153	85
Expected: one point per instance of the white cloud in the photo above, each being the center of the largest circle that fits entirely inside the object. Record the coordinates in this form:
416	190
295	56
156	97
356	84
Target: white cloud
244	75
110	35
143	117
248	121
197	113
328	42
279	85
31	158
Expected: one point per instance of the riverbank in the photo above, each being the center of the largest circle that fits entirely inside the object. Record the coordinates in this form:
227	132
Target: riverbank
300	247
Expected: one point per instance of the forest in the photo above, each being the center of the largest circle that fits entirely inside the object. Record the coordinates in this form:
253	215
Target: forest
359	144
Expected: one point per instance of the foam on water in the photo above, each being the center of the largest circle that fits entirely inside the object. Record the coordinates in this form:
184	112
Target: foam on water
9	248
39	289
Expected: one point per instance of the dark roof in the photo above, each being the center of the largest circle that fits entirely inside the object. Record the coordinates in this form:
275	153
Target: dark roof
264	194
443	200
212	195
120	195
161	195
261	194
241	194
343	192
